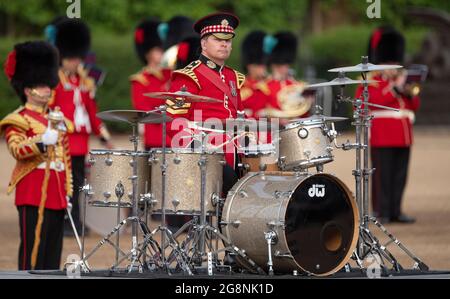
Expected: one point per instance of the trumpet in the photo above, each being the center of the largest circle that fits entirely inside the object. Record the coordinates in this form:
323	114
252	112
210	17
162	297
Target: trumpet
292	101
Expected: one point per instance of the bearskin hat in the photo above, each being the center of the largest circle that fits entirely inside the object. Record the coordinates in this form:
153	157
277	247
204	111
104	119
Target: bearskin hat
146	37
285	49
32	64
386	44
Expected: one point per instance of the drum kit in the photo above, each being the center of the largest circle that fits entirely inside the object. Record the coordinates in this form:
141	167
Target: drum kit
284	215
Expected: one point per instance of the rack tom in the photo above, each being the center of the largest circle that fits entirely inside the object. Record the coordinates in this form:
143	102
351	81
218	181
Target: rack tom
304	144
183	181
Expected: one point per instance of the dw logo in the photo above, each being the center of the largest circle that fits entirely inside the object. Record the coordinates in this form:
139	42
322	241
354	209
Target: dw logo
316	191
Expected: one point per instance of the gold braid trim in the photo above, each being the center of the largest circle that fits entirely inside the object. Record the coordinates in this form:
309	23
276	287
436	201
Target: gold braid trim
14	119
240	79
189	72
139	77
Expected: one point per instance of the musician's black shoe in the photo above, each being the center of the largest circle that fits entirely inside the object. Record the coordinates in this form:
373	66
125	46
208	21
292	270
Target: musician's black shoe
403	219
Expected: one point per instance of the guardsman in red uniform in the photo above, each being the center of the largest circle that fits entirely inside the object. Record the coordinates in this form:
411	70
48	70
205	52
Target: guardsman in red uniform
208	76
187	51
255	91
176	30
285	99
75	94
151	78
41	177
391	134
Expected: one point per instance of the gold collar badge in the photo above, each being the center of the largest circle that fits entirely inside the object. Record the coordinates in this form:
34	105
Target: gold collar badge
211	64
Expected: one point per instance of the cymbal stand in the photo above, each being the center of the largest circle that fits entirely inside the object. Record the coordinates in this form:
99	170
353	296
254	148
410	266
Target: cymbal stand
198	244
368	244
167	239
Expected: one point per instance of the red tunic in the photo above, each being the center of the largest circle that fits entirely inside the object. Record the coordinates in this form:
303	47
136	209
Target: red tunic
195	81
84	107
390	128
23	130
255	96
144	82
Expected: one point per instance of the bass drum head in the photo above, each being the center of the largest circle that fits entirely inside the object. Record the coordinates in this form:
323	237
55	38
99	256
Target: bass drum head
321	224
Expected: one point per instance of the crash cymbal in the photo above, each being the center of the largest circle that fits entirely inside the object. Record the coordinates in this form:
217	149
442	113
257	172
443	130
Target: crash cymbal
367	67
182	96
340	82
133	116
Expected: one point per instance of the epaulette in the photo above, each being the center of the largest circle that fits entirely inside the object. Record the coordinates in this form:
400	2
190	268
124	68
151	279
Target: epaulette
263	87
189	71
246	93
240	79
15	119
139	77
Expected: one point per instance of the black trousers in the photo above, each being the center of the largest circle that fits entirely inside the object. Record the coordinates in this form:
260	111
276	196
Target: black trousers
78	174
50	246
389	179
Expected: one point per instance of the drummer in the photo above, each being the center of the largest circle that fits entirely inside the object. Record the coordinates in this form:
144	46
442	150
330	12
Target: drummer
209	76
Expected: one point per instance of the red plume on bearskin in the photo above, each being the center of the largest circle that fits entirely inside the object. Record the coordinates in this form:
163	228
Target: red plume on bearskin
10	64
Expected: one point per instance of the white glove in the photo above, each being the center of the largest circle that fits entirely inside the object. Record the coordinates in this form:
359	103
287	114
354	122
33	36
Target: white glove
50	136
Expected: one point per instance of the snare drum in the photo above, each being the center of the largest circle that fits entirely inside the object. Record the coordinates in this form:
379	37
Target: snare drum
112	168
313	220
304	144
259	157
183	181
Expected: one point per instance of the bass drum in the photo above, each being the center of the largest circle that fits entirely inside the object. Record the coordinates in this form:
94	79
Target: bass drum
314	218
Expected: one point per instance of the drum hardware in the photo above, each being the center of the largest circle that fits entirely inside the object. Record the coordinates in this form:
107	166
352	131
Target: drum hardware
272	239
165	232
138	254
278	254
368	244
276	224
119	191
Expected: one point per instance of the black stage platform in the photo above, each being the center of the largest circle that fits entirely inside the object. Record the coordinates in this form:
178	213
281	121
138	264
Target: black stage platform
105	274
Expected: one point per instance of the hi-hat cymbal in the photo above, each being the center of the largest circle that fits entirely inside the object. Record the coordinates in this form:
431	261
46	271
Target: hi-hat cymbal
316	118
203	127
341	81
183	96
367	67
232	123
133	116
